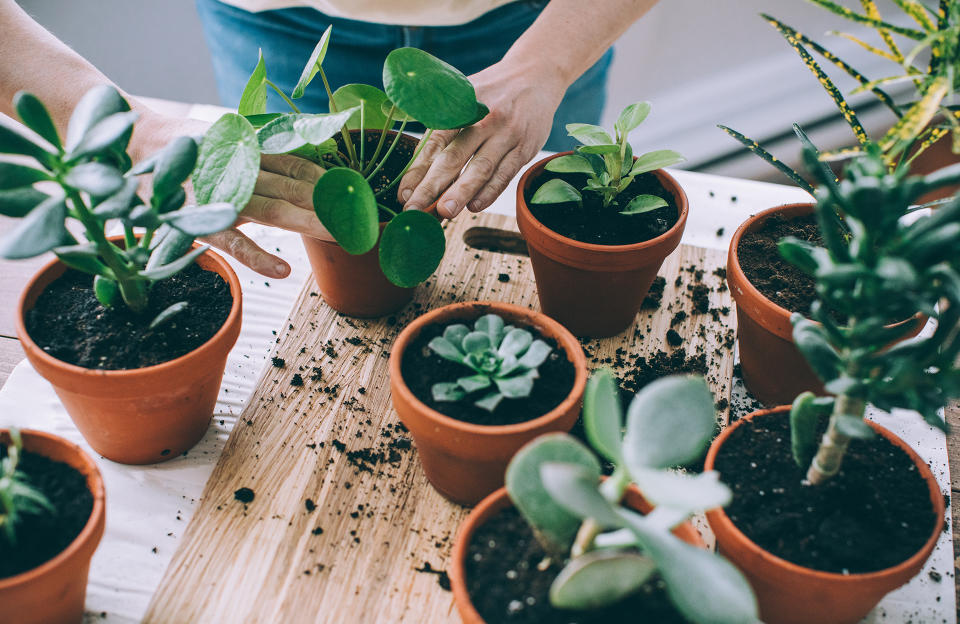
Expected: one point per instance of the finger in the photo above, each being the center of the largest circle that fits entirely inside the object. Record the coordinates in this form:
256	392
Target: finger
292	167
284	215
240	246
506	171
445	168
478	173
293	191
433	146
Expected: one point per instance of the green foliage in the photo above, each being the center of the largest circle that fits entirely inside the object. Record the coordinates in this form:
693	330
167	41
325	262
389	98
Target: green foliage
555	483
17	497
98	184
504	359
608	164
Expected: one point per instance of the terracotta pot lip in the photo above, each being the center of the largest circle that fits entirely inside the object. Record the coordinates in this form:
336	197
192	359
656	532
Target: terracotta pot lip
556	331
233	318
94	483
683	208
720	516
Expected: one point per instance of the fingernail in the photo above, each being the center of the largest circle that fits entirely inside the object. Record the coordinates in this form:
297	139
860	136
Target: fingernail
474	206
450	207
405	194
282	269
412	207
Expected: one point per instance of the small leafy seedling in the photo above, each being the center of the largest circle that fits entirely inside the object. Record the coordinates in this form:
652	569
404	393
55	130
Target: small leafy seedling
504	358
608	164
18	497
417	87
610	551
98	184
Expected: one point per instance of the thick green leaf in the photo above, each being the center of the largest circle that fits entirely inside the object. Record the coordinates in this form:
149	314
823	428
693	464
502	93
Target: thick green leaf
631	117
38	232
228	163
688	493
576	488
253	101
756	148
313	64
174	165
489	402
110	133
516	341
600	578
447	391
94	178
435	93
15	139
280	136
456	333
603	415
803	428
669	423
202	220
446	348
652	161
170	245
352	96
15	176
535	355
106	291
589	134
96	105
316	129
492	325
477	342
643	203
168	314
411	248
83	257
18	202
34	115
854	427
346	206
570	164
556	191
516	387
172	268
612	148
815	347
808	258
474	383
553	525
119	204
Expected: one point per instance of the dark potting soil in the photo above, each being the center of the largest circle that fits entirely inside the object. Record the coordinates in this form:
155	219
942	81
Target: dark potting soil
71	325
398	159
43	536
592	223
422	368
778	280
506	586
874	514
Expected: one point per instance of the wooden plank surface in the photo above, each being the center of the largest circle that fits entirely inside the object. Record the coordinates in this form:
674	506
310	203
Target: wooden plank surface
362	548
10	356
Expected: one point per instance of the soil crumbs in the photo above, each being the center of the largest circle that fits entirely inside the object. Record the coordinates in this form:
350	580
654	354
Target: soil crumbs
778	280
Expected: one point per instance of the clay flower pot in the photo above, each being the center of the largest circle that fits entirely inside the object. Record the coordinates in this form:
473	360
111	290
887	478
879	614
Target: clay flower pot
355	285
144	415
54	592
464	461
791	594
594	290
494	504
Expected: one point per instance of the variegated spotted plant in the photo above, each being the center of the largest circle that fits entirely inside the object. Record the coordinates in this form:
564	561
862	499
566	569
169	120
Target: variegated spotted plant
608	164
18	497
934	34
607	550
504	360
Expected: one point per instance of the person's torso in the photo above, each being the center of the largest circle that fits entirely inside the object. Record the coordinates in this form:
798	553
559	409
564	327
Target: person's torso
397	12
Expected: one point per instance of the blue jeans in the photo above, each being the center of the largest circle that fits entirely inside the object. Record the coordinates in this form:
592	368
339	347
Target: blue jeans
357	51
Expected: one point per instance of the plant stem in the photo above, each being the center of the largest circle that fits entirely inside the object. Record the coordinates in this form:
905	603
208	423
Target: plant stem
363	140
386	210
423	141
128	236
393	145
348	142
612	490
834	444
383	136
289	102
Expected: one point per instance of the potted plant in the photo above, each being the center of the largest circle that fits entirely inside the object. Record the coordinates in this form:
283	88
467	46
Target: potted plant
51	521
598	223
819	533
131	333
376	252
562	544
476	381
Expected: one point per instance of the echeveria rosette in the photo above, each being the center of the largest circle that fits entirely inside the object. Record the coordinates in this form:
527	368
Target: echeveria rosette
611	551
504	358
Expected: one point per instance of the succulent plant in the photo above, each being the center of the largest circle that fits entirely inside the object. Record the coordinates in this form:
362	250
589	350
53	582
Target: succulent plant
17	496
504	358
611	551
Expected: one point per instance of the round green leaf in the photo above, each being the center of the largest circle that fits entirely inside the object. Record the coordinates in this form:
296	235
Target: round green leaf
34	115
632	116
555	191
589	134
228	163
411	248
97	104
600	578
643	203
95	178
570	164
371	98
435	93
174	165
388	109
110	134
346	206
315	129
280	136
655	160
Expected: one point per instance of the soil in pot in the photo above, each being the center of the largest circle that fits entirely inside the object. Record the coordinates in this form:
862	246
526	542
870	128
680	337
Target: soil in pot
506	586
874	514
70	324
398	159
42	537
422	368
593	223
778	280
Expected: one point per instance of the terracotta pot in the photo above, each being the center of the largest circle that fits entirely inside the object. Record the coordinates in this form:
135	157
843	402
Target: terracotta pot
54	592
355	285
464	461
500	500
594	290
773	368
791	594
144	415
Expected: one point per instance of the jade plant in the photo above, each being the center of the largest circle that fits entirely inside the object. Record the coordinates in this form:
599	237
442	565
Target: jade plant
17	496
608	550
887	269
608	164
349	198
98	184
504	359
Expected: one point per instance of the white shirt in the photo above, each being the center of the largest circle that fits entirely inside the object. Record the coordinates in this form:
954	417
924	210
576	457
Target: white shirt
395	12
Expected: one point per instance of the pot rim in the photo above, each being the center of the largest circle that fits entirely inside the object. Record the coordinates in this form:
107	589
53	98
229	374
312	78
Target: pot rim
94	484
720	516
683	209
554	330
220	266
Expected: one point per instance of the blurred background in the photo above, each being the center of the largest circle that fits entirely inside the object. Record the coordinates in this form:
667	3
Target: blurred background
700	62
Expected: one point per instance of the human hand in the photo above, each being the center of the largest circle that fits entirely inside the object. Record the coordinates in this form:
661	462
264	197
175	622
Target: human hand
493	150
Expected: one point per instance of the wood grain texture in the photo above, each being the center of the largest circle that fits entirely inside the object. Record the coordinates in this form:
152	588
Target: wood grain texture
10	356
380	519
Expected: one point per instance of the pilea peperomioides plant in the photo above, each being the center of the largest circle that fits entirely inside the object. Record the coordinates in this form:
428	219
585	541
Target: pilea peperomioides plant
17	496
888	269
504	358
608	164
611	551
348	199
98	184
